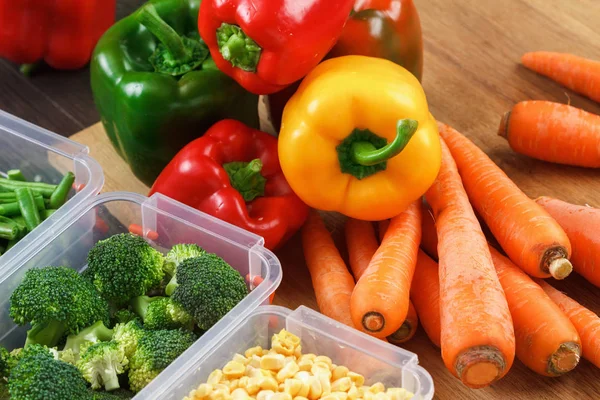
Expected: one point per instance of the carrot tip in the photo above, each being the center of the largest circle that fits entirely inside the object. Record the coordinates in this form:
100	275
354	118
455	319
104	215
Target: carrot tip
480	366
560	268
564	359
402	334
373	322
503	129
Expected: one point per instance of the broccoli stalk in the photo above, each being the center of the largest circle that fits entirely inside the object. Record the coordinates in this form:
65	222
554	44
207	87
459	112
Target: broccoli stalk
128	335
161	313
77	344
101	363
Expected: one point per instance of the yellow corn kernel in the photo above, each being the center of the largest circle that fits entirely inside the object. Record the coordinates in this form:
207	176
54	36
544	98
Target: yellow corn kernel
215	377
288	360
240	358
257	350
300	398
361	391
254	373
202	391
305	364
353	392
265	352
239	394
253	385
325	360
281	396
234	370
298	351
398	394
336	396
243	382
377	388
302	375
292	386
341	385
368	395
288	371
381	396
234	384
325	384
224	386
319	368
273	362
218	395
309	356
268	383
304	390
255	361
315	388
265	395
357	379
339	372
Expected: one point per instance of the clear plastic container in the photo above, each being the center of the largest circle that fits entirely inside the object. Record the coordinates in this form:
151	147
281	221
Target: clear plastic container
164	223
48	156
376	360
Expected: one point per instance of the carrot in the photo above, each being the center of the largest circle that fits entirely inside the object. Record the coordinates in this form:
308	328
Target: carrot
577	73
331	280
379	303
582	225
425	295
408	328
585	321
477	336
429	240
546	341
382	227
553	132
362	244
527	233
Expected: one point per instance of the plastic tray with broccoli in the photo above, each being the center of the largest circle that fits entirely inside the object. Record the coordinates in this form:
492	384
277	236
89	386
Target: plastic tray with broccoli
108	332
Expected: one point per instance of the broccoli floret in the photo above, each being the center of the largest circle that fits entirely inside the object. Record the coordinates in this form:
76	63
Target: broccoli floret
40	377
208	288
128	335
101	363
77	344
161	313
4	395
56	301
119	394
124	266
31	350
5	362
123	316
155	351
176	256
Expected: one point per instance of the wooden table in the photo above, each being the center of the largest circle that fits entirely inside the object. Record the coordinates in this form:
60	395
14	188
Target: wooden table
472	75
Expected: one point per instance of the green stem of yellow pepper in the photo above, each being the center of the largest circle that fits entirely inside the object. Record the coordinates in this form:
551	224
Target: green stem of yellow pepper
365	153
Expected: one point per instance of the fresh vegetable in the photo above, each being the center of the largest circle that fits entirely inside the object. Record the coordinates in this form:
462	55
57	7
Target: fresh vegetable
149	125
101	363
59	196
208	288
128	336
178	254
379	303
577	73
581	223
546	341
40	188
429	239
408	329
123	316
124	266
56	301
585	321
79	342
119	394
28	208
62	33
9	229
479	349
331	280
15	175
14	209
266	45
233	173
425	295
553	132
362	245
162	313
353	162
154	352
528	234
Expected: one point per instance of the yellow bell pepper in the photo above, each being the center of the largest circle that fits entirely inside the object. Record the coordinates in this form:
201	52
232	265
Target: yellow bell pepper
358	138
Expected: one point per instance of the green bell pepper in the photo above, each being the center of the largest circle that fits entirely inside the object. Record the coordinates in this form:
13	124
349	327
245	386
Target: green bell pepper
157	88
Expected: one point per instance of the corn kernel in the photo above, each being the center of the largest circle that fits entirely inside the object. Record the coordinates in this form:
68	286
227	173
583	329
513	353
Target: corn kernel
305	364
357	379
304	389
300	398
255	361
325	384
253	351
273	362
253	385
234	370
233	384
215	377
281	396
288	360
381	396
292	386
320	368
302	375
377	388
341	385
353	392
243	382
340	395
368	395
315	388
255	373
240	358
288	371
309	356
268	383
325	360
218	395
239	394
362	390
339	372
202	391
398	394
265	395
222	386
298	351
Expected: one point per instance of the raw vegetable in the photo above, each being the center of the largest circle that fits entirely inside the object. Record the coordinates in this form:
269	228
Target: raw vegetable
233	173
14	209
28	207
149	125
379	303
331	280
582	224
425	295
553	132
59	197
128	336
352	162
101	363
529	236
162	313
178	254
480	349
9	229
78	343
577	73
362	245
15	175
429	239
546	341
408	329
585	321
251	47
40	188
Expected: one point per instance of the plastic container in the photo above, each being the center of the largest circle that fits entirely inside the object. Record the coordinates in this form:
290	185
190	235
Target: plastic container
38	152
376	360
168	223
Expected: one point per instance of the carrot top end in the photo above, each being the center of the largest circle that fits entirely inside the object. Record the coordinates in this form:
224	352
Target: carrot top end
401	334
480	366
503	129
564	359
560	268
373	322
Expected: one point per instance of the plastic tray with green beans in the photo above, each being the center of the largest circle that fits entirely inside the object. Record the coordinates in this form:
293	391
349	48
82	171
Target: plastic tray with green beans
24	205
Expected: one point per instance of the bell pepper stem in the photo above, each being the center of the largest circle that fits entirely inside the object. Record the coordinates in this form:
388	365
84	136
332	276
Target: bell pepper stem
365	153
148	17
238	48
27	69
246	178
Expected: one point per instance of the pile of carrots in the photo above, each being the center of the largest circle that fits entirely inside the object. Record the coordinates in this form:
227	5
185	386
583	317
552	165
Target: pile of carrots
481	299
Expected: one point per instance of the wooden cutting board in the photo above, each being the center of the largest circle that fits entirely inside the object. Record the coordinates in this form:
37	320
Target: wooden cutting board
472	76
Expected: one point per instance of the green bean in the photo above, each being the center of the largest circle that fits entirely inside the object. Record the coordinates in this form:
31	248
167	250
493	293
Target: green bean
13	209
44	189
12	197
47	213
59	196
29	209
16	175
8	228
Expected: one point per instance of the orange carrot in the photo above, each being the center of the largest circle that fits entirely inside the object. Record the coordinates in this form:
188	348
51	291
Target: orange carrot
582	225
425	295
408	328
546	341
331	279
577	73
382	228
362	245
379	303
553	132
586	322
429	240
527	233
477	336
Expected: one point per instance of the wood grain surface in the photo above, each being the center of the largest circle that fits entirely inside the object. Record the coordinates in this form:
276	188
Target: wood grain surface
472	76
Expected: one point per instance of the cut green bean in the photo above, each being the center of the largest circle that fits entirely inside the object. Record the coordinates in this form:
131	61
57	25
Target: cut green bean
29	209
5	190
46	214
13	209
44	189
59	197
9	228
12	197
16	175
22	225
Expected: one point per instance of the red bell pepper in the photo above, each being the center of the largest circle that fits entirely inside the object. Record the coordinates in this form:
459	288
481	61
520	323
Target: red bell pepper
61	32
233	173
266	45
